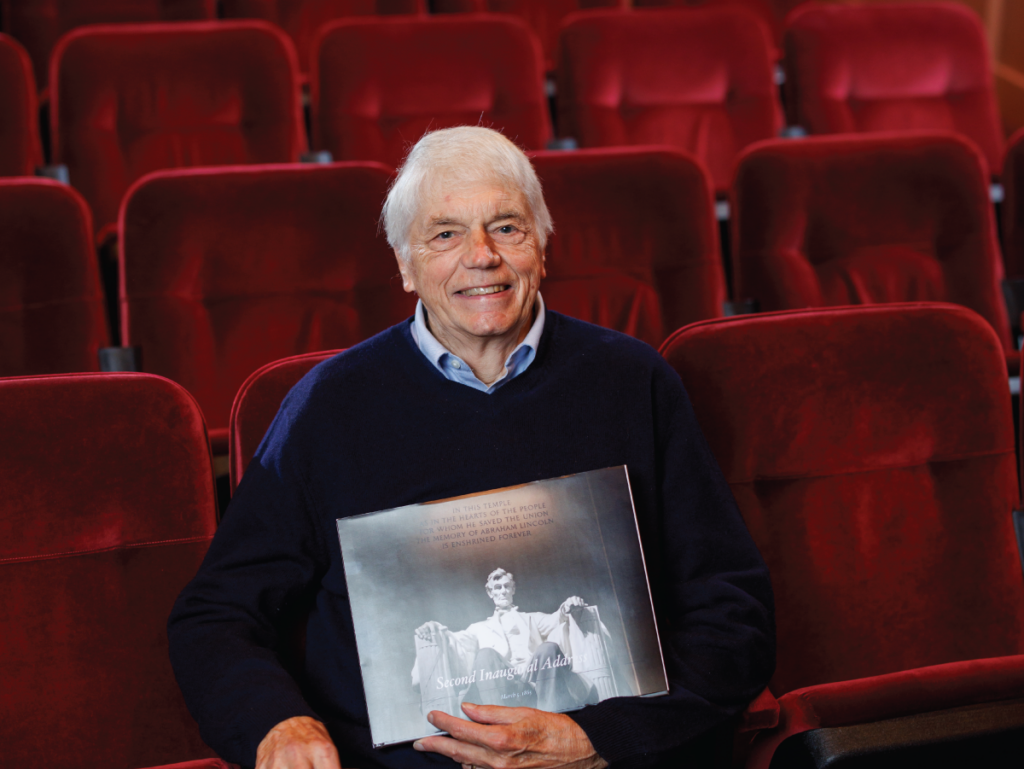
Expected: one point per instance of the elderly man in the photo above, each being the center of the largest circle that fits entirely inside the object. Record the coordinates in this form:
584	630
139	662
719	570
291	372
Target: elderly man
483	388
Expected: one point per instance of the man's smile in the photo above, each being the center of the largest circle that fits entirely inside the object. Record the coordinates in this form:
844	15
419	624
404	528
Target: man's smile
482	290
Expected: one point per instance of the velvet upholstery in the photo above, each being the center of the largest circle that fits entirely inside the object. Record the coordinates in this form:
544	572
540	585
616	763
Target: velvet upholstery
544	16
257	403
130	99
108	508
20	150
377	85
224	270
52	317
302	18
892	67
38	24
1013	206
871	452
867	219
206	763
636	242
773	12
698	79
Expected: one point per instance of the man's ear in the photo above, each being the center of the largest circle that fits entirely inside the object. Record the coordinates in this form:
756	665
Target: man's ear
543	265
403	268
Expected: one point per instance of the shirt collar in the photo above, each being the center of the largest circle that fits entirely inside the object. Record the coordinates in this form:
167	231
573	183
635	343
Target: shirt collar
517	361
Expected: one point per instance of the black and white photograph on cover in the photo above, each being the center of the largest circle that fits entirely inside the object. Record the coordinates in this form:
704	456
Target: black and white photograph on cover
530	596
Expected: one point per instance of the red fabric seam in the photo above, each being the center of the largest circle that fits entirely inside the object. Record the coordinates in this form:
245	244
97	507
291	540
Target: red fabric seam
157	543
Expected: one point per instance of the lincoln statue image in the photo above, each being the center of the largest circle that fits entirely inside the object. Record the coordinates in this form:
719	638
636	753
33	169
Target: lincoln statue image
554	662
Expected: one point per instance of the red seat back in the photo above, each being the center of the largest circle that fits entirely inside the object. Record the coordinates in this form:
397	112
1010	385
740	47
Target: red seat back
698	79
39	24
1013	206
108	508
131	99
866	220
892	67
772	12
257	403
302	19
20	149
378	85
871	453
225	270
544	16
636	243
52	317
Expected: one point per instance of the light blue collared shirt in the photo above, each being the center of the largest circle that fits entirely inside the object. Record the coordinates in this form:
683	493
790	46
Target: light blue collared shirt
456	369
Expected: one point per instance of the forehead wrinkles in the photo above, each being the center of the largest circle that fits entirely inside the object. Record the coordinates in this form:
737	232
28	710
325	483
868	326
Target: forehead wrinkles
446	197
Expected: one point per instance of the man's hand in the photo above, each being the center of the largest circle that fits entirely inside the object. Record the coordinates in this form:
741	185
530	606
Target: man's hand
298	743
571	603
511	738
429	629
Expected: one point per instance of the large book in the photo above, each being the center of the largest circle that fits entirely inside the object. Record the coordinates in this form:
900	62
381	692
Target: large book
528	596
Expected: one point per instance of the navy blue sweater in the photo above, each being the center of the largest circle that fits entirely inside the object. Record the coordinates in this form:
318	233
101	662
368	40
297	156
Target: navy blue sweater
378	427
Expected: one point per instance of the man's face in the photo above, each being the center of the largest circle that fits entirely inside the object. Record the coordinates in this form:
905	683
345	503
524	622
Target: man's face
501	592
475	261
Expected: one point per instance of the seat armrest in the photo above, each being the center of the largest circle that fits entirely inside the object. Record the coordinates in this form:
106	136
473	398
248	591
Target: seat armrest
976	735
121	358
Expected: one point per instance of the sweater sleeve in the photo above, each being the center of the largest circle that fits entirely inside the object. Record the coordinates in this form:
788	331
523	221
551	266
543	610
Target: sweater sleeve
228	628
712	598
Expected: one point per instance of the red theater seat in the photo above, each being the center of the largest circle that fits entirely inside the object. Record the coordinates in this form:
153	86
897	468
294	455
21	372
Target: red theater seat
543	16
698	79
39	24
378	85
20	150
51	304
301	19
108	507
1013	206
871	452
130	99
636	243
773	12
225	270
257	402
892	67
867	220
208	763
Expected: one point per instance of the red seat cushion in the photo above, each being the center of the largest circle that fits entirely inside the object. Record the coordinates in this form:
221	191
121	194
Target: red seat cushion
40	23
52	317
865	220
225	270
698	79
544	16
893	67
130	99
379	84
107	511
871	452
257	403
303	19
773	12
20	150
636	242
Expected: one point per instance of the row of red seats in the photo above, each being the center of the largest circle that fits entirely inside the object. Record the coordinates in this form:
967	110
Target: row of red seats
870	450
127	100
225	269
39	24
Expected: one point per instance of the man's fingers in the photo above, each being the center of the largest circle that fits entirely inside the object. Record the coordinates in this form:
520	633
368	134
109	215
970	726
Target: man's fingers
457	750
494	714
461	729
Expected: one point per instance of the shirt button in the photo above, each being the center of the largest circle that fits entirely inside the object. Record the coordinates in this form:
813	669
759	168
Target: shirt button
456	364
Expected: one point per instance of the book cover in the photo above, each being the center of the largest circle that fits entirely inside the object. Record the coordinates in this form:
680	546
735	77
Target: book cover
528	596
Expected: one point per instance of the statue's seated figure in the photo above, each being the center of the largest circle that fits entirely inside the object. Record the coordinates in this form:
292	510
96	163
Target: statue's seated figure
554	662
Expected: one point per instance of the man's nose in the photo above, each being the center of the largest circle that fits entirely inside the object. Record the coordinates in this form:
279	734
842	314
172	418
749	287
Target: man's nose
482	253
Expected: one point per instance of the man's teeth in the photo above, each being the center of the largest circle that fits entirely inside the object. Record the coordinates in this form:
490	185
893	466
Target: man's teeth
481	291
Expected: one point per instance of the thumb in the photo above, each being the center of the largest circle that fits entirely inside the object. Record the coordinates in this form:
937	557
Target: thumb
493	714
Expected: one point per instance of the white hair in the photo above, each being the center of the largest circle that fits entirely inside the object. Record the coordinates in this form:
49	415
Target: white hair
462	154
496	576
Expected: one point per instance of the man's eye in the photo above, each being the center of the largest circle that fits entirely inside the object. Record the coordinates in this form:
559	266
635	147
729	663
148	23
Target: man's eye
446	235
508	229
